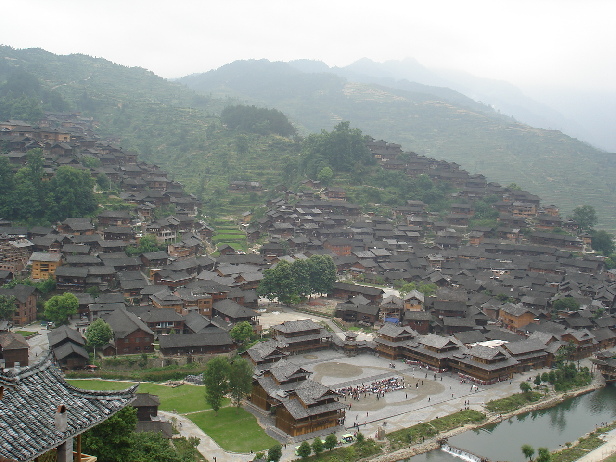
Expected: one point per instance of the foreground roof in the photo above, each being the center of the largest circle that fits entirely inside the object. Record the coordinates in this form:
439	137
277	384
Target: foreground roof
30	399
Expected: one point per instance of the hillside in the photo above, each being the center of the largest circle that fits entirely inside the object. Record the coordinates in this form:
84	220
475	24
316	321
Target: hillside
165	122
433	121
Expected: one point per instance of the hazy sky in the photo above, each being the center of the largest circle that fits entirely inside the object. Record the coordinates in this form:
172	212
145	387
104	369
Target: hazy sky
568	43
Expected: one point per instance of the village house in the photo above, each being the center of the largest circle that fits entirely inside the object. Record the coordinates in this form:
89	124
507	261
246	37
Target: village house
301	336
301	405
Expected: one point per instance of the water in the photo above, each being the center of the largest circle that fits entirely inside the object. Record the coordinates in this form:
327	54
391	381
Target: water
547	428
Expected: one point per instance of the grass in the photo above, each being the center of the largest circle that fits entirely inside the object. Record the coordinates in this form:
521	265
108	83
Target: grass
407	436
234	430
25	333
351	453
513	402
182	399
584	446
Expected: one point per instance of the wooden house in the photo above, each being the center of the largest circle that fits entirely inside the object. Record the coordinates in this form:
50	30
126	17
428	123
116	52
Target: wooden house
301	336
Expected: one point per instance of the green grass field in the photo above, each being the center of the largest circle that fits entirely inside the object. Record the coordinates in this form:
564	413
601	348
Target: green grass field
182	399
234	430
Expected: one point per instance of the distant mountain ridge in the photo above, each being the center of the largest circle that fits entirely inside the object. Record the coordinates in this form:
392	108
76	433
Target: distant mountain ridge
435	121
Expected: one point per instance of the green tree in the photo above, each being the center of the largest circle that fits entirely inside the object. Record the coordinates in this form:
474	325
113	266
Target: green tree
317	446
342	149
325	175
240	380
111	440
566	304
241	332
301	277
585	216
60	308
274	453
543	455
152	447
330	441
304	450
216	380
7	307
98	334
322	274
147	243
71	194
525	387
279	283
7	186
537	380
602	242
528	451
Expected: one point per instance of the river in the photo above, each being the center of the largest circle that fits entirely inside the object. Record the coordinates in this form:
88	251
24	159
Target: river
549	428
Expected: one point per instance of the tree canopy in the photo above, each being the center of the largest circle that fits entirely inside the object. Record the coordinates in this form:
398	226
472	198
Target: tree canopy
24	196
603	242
288	282
342	150
585	216
241	332
98	333
240	379
7	307
257	120
216	380
59	308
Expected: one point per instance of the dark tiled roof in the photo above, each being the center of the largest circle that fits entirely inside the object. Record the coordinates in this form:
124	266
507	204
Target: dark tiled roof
57	335
28	408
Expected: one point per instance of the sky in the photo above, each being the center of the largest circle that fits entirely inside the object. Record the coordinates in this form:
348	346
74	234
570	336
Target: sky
565	43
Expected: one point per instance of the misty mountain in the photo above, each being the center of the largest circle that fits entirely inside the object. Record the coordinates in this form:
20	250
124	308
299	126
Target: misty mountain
431	120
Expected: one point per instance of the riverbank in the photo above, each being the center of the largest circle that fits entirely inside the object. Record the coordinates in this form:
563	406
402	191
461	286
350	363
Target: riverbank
548	401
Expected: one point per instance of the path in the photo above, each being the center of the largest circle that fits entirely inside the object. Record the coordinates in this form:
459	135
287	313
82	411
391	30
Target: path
603	451
207	446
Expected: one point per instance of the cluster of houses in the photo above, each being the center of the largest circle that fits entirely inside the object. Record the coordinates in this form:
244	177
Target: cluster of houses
493	312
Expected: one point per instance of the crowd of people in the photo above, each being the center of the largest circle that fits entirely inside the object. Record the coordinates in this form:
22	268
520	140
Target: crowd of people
378	387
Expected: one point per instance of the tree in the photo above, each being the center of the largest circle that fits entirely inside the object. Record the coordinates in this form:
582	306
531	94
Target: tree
98	334
317	446
528	451
537	380
301	277
274	453
60	308
215	378
525	387
279	283
304	450
322	272
111	440
330	441
147	243
152	447
241	332
240	380
71	194
566	304
585	216
7	307
325	175
543	455
602	242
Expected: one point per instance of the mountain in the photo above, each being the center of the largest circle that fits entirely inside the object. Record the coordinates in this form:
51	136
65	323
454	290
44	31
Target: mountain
430	120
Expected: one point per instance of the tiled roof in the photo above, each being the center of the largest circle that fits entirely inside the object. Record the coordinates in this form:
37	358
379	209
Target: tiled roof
29	403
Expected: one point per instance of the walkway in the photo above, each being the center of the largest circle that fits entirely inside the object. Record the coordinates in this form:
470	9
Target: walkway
603	451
